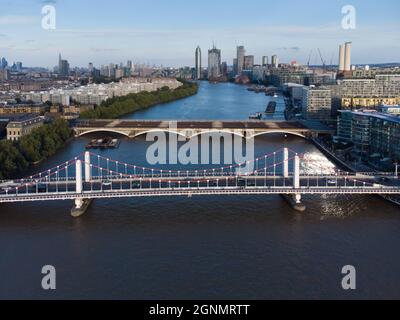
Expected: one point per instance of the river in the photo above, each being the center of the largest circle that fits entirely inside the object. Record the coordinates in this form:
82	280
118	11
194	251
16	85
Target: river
250	247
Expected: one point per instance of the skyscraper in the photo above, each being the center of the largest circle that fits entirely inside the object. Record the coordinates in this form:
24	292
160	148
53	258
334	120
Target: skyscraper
63	67
59	62
18	66
3	63
198	63
241	52
248	62
265	61
235	63
224	69
274	61
214	63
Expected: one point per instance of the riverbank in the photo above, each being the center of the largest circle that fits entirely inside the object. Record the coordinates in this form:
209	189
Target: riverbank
345	166
44	142
120	106
331	156
18	156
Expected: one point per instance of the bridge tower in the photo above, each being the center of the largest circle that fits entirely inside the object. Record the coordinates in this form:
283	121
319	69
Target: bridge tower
78	177
88	171
81	204
296	184
296	176
286	163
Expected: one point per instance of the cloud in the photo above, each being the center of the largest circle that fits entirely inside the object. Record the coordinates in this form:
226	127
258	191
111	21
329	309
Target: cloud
122	33
9	47
291	48
14	19
104	49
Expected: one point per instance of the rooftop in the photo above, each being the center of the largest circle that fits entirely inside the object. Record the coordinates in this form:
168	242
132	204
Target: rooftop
24	117
374	114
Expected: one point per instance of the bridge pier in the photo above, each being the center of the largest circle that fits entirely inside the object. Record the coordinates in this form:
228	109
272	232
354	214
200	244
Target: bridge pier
81	204
295	200
80	207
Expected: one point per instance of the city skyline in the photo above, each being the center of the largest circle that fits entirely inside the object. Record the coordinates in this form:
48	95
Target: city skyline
150	37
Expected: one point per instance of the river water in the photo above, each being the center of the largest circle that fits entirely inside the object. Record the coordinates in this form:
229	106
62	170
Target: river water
248	247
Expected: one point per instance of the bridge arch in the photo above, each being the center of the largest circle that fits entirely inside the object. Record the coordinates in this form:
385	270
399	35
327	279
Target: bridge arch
217	131
159	130
280	131
101	130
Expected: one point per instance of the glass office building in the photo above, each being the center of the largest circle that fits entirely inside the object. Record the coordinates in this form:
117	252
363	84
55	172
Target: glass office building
374	134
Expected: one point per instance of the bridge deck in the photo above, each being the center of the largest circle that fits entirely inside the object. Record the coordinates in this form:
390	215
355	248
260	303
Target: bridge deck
195	124
194	192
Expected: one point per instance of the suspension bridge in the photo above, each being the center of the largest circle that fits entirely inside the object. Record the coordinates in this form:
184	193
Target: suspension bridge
91	176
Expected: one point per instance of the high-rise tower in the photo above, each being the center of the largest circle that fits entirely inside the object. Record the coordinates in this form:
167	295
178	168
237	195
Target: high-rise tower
59	62
241	52
214	63
274	61
198	63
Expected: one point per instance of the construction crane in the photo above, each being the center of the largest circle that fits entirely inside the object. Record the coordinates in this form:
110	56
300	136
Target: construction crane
309	58
333	55
322	58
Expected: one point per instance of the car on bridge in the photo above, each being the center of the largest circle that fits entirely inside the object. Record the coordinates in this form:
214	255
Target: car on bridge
136	185
106	183
332	182
41	187
7	186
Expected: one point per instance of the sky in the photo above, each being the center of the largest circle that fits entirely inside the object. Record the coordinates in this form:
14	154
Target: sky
168	31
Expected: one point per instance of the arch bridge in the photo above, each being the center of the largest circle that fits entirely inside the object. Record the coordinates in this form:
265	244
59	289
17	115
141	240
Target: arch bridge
192	128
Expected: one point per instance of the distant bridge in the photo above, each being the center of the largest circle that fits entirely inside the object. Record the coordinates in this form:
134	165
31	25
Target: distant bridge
90	176
192	128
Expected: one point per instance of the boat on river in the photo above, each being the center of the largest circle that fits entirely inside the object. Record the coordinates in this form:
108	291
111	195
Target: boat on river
105	143
271	108
256	116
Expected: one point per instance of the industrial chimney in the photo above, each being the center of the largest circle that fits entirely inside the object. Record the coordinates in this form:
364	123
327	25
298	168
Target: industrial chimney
341	58
347	59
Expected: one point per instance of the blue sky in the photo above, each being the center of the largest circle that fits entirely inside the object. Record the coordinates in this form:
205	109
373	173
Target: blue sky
168	31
